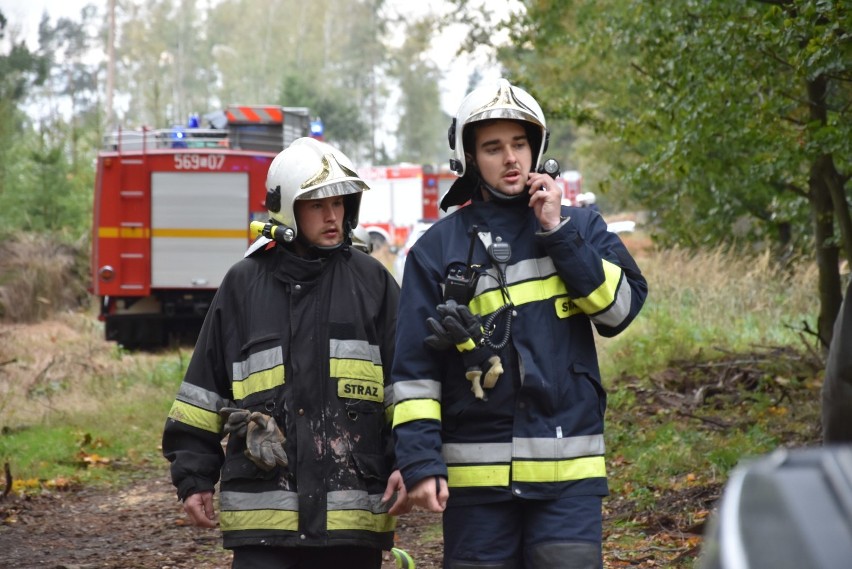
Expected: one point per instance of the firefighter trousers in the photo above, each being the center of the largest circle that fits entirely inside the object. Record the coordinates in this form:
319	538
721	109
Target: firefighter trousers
525	534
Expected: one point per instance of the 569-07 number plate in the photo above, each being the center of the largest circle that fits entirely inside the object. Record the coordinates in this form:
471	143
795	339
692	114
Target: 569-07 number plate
199	161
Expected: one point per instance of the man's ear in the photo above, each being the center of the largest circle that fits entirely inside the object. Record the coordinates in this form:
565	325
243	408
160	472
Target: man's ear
469	159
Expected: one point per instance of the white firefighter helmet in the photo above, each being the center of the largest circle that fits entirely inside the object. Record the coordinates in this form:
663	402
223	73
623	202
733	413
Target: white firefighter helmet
361	239
310	169
495	101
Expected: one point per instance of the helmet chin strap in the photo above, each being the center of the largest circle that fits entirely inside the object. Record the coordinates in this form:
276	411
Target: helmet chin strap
320	252
522	198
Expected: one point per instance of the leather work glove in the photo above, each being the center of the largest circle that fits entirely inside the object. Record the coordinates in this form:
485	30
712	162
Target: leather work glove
236	420
264	440
459	327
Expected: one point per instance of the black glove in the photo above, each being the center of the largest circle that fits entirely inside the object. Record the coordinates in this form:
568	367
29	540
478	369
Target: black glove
459	327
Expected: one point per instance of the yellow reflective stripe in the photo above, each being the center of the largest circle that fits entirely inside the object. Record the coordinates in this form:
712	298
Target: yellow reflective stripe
389	414
195	417
260	381
360	520
468	476
523	293
209	233
124	232
402	558
566	307
415	410
604	295
466	346
356	369
235	520
558	470
357	389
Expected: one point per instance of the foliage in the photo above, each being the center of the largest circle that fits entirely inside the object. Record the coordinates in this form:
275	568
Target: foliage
728	122
422	124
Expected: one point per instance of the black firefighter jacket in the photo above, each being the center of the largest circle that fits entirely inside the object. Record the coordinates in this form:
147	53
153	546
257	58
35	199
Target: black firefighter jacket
309	342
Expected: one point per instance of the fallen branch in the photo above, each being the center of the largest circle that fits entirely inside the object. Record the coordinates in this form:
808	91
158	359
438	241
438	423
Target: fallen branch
715	422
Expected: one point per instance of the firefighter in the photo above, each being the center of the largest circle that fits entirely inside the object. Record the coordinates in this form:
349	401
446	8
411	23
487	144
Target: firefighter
293	364
499	413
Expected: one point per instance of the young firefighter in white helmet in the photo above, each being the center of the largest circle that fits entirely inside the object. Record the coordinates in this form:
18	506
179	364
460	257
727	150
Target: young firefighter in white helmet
293	363
499	414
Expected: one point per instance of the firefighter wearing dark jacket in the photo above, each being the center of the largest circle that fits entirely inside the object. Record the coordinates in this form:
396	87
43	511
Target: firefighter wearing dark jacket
499	415
293	363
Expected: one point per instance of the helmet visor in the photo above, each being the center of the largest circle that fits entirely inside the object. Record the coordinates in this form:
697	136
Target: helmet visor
332	179
508	113
340	188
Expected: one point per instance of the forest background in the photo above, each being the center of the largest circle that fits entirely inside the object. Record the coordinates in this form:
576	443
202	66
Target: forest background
724	122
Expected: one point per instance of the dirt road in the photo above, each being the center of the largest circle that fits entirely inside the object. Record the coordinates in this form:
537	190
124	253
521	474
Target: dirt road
141	526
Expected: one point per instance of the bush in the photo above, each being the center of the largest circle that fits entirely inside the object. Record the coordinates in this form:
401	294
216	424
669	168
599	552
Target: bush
40	277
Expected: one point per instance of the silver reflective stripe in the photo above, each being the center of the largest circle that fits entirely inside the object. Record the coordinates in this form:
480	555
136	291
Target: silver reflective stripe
476	453
522	271
245	501
201	398
529	269
356	500
417	389
619	309
355	350
260	361
553	448
523	449
390	398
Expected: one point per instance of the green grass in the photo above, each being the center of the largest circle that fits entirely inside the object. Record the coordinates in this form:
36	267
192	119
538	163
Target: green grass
96	445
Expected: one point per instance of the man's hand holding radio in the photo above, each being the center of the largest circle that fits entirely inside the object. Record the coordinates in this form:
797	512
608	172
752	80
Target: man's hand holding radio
459	327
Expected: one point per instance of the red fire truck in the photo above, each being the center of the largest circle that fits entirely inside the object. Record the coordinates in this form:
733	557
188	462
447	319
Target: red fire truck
172	210
401	196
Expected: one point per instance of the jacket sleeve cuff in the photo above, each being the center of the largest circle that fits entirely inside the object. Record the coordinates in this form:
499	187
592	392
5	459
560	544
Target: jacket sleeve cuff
562	221
191	486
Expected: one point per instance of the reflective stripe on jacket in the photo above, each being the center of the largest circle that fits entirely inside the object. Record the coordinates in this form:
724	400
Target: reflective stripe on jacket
539	434
309	342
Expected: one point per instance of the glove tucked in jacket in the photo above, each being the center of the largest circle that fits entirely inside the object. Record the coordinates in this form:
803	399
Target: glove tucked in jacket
264	440
459	327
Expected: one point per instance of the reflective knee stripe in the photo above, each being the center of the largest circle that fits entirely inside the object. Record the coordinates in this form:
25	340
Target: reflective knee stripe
261	371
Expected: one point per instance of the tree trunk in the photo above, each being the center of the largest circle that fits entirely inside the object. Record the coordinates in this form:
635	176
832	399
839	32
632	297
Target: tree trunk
822	173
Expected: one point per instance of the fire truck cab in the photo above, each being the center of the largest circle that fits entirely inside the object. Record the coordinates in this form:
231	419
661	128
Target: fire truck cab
172	209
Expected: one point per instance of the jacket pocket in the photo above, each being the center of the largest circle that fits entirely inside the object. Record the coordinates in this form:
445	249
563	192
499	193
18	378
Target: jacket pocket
591	384
238	467
372	467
